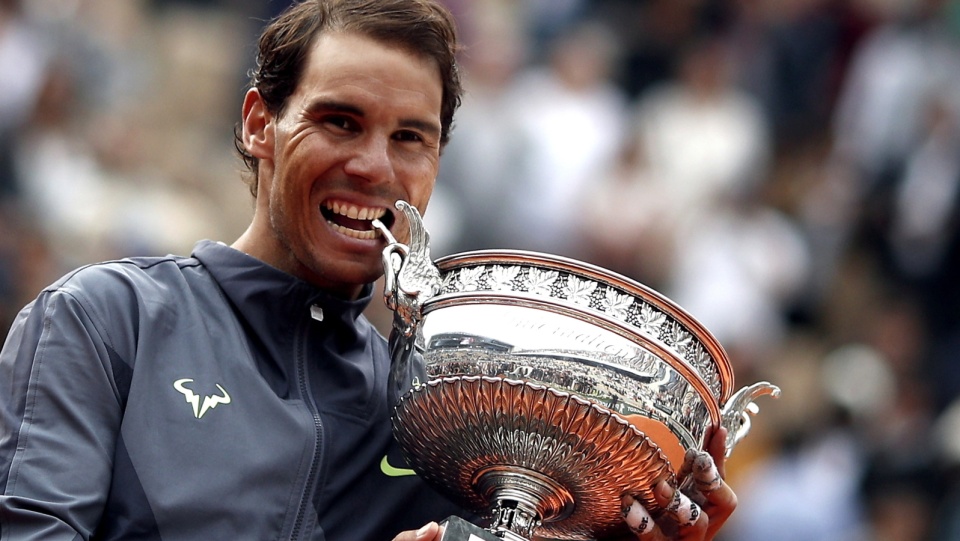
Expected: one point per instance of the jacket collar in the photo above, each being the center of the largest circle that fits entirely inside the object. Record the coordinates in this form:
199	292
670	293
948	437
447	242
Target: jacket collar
266	296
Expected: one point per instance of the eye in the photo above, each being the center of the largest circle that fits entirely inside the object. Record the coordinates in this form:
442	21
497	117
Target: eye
340	122
408	136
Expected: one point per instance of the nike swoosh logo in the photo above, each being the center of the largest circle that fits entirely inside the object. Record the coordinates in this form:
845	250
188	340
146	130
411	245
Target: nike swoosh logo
391	471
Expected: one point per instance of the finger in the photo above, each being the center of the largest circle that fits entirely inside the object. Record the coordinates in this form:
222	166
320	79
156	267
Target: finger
638	519
717	447
689	517
719	500
687	467
706	475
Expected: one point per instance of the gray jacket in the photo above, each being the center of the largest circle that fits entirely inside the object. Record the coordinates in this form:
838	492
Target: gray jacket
211	397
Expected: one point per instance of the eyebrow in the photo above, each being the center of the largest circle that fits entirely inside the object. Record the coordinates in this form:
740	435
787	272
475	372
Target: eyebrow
334	106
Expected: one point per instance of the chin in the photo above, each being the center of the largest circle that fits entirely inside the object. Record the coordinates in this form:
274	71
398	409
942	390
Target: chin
356	273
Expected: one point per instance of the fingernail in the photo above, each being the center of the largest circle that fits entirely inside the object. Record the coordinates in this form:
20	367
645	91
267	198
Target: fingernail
422	532
705	473
665	491
687	466
636	517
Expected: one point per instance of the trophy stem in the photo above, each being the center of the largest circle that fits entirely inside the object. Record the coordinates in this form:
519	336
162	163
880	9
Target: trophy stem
513	523
524	499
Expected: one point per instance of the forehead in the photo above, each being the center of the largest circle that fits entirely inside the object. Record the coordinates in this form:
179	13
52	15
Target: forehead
350	64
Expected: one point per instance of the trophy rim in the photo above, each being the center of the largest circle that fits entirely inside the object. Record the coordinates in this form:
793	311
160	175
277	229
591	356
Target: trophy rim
611	278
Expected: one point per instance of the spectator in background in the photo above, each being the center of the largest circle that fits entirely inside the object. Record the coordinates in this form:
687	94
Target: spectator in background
701	140
652	34
791	56
572	126
24	56
486	162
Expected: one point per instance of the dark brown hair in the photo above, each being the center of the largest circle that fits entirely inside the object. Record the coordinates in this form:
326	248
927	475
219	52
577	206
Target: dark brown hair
422	27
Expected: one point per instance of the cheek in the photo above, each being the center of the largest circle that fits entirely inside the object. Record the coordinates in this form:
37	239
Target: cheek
299	168
421	181
290	196
301	146
420	194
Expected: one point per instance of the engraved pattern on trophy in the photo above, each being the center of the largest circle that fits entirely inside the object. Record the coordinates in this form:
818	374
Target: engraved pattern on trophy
644	317
410	279
410	276
737	411
540	390
482	440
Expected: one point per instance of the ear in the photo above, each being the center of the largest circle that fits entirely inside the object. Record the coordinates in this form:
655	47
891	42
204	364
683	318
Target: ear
258	128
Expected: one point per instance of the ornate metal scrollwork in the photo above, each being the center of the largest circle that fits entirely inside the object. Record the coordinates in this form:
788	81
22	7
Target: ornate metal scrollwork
737	411
410	279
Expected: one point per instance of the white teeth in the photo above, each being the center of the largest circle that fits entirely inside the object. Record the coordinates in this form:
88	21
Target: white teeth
355	213
364	235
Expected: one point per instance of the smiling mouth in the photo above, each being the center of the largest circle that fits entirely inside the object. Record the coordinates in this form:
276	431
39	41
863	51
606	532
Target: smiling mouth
355	221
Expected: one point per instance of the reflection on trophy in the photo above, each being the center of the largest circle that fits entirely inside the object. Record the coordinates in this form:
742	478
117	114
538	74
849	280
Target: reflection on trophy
539	390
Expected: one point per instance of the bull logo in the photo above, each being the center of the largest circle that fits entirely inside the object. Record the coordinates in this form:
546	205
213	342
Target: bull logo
209	401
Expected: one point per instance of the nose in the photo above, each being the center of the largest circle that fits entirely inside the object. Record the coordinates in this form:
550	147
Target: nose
371	160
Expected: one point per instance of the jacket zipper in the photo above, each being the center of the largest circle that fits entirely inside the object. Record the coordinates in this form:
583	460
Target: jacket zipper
303	382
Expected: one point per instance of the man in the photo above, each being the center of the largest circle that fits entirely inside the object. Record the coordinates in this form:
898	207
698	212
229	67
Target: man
240	393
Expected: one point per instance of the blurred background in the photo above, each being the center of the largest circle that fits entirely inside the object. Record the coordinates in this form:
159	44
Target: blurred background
788	171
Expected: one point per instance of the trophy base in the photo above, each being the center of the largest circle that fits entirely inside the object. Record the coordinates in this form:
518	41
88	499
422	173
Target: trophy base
458	529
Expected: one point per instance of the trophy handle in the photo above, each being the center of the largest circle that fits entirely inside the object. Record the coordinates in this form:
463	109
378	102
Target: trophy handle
410	279
736	413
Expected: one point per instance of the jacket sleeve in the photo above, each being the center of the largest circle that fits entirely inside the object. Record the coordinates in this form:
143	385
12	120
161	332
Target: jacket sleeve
60	414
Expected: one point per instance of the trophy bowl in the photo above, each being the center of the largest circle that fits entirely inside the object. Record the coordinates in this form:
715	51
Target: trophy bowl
539	390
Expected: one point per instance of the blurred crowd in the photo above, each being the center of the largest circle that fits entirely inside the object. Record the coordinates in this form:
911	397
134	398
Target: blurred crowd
788	171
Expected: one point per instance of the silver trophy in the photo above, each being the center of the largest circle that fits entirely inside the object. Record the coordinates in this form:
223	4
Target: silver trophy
538	390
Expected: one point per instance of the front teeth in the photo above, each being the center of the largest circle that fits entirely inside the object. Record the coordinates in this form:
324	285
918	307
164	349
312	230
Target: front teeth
356	213
364	235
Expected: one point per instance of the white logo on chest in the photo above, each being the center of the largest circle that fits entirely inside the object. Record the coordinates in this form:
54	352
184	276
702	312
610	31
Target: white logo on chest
209	401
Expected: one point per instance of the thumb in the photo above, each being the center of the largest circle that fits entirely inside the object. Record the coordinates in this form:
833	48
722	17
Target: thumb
429	532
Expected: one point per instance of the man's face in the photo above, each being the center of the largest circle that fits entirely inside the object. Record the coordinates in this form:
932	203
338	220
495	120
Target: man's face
361	131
